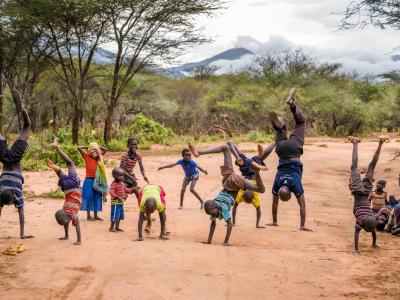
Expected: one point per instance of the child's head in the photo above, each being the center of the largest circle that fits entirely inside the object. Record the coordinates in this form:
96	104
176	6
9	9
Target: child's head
248	196
284	193
94	150
381	184
186	155
118	174
62	217
211	208
132	145
6	198
392	199
370	223
381	222
150	205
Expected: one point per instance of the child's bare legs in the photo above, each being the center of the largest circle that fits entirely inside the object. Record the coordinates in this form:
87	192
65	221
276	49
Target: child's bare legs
183	191
263	153
56	168
112	227
22	224
236	152
89	216
193	191
372	165
117	228
220	149
300	127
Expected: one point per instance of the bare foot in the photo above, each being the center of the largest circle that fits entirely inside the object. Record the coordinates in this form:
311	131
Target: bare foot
26	236
353	139
272	224
98	218
147	230
206	243
376	246
52	165
257	166
163	238
119	229
357	251
260	150
77	243
139	239
383	138
225	244
112	230
305	229
260	227
276	121
63	238
239	162
290	99
193	150
181	207
90	219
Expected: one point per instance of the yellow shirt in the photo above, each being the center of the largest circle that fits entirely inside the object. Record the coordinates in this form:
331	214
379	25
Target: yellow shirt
151	191
256	200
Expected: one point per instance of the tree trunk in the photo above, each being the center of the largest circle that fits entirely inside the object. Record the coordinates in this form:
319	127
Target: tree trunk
76	121
1	91
108	122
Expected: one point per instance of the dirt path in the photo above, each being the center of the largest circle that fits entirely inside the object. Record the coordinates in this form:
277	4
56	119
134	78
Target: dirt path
272	263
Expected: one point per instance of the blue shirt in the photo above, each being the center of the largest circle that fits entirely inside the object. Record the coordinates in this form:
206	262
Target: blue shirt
190	168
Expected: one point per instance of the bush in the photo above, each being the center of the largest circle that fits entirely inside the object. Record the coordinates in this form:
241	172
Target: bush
149	131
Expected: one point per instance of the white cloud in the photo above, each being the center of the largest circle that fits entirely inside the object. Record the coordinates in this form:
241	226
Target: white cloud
274	25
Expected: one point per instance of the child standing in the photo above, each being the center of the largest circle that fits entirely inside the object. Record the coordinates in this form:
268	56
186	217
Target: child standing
118	193
70	185
92	196
128	162
378	198
192	175
11	179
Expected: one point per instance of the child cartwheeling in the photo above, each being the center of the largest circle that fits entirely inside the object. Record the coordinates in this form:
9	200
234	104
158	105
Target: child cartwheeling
245	167
118	192
94	189
378	198
70	185
360	189
11	179
232	183
152	198
192	175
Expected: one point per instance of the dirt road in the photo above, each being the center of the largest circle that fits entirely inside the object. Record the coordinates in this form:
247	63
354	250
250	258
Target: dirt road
272	263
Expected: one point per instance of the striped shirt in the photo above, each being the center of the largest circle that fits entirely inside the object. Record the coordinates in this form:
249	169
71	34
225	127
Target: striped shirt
384	211
13	181
362	210
118	191
72	204
128	162
377	200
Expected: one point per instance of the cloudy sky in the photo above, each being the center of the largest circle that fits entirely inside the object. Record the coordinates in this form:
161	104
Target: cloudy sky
272	25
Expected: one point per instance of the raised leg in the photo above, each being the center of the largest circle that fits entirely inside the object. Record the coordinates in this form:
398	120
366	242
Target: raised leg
220	149
372	164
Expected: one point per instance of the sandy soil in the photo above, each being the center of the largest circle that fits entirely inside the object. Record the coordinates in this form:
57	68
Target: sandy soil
271	263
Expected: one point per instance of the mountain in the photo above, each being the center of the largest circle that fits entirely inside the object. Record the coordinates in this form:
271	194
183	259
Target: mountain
224	62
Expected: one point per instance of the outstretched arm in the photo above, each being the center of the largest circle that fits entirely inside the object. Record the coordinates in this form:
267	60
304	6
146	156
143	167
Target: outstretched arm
234	209
202	170
302	203
167	166
82	149
228	232
356	238
212	230
255	187
140	226
162	221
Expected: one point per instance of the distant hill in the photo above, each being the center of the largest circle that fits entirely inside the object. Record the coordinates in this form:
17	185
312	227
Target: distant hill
224	61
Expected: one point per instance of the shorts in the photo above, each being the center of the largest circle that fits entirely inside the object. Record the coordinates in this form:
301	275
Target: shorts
117	213
231	182
189	179
256	200
359	186
292	181
18	202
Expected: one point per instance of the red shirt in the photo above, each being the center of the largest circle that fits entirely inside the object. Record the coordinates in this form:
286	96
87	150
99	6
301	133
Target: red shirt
90	164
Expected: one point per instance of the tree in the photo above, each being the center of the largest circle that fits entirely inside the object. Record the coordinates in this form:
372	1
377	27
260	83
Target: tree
148	32
75	29
379	13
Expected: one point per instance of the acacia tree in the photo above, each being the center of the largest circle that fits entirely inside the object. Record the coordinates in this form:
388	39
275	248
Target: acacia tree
75	28
148	32
379	13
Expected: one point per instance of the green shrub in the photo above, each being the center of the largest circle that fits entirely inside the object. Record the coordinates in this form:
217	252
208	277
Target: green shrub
149	131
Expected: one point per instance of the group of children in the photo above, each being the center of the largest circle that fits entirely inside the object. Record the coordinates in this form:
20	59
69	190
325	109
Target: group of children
372	209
